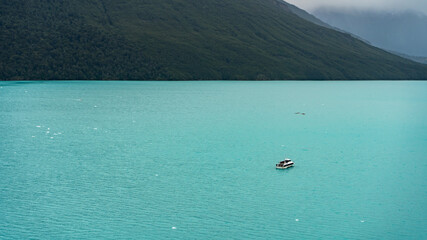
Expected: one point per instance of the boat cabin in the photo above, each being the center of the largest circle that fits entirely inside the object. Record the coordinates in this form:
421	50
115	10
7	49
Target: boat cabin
285	164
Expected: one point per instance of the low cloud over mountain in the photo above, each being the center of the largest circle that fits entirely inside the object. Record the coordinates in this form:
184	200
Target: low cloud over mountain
404	32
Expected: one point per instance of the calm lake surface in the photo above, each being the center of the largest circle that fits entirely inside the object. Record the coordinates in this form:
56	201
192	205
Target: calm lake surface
196	160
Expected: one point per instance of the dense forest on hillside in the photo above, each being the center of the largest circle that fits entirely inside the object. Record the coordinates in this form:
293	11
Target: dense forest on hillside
40	42
181	39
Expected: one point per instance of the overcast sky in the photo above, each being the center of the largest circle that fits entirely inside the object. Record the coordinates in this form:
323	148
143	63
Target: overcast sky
394	5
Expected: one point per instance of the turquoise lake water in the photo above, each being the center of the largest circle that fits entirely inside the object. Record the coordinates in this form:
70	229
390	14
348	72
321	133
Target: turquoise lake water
196	160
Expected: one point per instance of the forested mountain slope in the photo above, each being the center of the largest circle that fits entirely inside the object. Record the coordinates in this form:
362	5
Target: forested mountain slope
182	39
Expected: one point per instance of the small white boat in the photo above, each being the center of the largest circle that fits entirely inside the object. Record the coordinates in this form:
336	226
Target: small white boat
287	163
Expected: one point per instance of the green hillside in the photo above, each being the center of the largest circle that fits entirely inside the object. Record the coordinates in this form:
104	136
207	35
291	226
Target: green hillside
182	39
